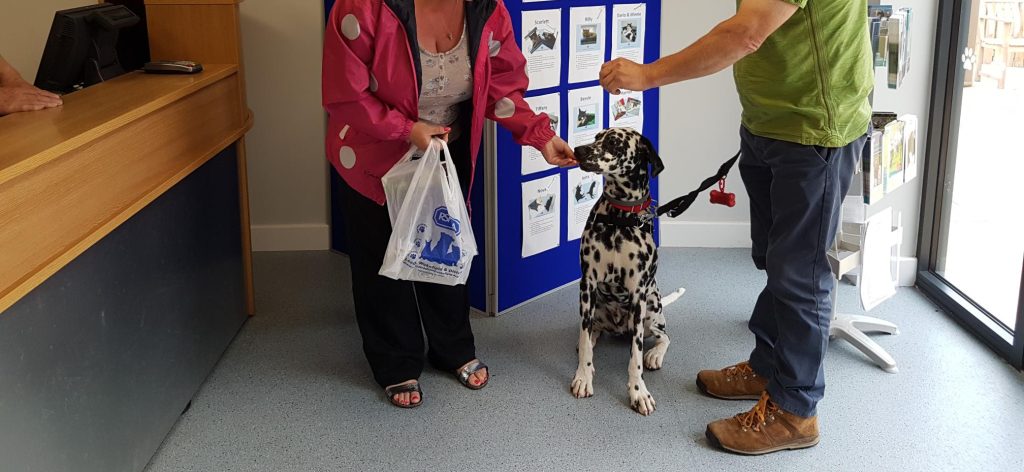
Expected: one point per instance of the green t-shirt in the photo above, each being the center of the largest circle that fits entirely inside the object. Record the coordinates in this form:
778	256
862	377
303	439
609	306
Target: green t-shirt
810	80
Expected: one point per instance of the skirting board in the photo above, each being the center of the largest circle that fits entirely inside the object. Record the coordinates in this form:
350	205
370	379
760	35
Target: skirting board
309	237
908	272
705	234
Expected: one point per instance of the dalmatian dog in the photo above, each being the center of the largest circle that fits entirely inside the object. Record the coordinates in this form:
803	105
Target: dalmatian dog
618	259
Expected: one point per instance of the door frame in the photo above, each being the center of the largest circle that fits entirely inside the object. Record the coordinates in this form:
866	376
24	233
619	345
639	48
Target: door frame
941	146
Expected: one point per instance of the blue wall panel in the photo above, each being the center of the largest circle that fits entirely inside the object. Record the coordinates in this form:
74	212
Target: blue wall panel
339	242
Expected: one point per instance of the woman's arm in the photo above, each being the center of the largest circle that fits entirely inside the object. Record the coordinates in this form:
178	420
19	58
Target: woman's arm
346	78
505	103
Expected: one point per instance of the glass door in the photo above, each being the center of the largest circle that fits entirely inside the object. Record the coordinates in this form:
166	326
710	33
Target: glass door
973	239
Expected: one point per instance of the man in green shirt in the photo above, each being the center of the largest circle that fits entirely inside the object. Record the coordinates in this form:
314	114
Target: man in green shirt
803	71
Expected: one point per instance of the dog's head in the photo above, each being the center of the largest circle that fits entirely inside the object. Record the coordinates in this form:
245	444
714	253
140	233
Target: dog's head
622	155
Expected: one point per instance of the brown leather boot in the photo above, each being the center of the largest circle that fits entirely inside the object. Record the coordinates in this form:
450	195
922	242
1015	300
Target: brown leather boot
765	428
736	382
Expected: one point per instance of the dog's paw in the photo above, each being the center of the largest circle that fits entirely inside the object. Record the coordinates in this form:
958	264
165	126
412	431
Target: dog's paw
583	384
641	400
654	358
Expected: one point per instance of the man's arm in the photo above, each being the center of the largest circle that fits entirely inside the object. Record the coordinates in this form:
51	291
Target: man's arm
8	76
725	45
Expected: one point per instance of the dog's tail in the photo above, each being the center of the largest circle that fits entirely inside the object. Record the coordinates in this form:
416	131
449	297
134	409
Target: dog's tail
672	297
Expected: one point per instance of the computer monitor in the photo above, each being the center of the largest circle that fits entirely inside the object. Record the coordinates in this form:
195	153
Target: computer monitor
82	47
133	41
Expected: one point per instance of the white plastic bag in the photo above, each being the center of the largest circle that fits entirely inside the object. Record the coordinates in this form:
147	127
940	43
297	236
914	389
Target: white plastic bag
432	236
396	181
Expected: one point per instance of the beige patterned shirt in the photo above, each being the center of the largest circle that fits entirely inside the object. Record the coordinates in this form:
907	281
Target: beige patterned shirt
447	82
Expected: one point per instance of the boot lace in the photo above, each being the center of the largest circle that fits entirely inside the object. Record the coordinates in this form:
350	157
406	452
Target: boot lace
742	369
758	416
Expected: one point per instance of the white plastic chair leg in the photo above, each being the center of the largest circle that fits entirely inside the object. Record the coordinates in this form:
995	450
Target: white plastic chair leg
846	327
868	324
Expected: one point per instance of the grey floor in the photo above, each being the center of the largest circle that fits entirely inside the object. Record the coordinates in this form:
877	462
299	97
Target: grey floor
293	392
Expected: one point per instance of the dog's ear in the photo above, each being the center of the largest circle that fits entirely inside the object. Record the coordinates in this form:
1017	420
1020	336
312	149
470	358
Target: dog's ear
652	157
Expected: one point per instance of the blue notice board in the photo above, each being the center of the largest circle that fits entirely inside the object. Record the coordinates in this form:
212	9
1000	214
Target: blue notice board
503	279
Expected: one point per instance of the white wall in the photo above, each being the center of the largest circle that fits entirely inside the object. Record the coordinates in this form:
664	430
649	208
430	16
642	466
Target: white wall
24	27
282	43
700	122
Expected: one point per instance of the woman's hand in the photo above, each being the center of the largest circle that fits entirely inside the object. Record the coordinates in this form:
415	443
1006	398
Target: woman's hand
558	153
423	132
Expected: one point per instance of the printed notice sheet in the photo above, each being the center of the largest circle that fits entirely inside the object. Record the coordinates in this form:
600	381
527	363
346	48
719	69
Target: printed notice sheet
542	47
628	24
586	110
541	214
584	190
533	161
626	110
586	52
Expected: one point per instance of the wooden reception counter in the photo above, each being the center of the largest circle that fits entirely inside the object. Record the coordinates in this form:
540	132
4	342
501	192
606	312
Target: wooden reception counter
125	266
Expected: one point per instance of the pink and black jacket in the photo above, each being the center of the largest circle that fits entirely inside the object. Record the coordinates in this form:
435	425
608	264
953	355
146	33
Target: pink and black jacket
372	79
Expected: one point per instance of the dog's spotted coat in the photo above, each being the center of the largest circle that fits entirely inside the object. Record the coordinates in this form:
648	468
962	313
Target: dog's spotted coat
618	293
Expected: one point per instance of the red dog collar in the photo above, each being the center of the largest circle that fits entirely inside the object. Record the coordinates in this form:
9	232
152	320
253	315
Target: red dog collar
632	209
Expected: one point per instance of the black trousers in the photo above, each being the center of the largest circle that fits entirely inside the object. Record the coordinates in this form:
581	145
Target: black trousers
393	314
796	192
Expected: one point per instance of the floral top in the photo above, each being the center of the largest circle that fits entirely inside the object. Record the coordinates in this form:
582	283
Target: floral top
447	82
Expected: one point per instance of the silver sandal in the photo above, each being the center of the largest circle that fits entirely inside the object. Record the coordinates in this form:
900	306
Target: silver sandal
405	388
464	373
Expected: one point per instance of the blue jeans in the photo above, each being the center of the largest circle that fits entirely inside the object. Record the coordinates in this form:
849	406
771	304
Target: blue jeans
796	192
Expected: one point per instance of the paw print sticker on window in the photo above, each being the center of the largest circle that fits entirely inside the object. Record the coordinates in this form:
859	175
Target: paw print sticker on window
969	58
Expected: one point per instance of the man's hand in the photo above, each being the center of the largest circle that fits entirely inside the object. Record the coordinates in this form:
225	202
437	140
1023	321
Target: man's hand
423	132
624	74
26	98
558	153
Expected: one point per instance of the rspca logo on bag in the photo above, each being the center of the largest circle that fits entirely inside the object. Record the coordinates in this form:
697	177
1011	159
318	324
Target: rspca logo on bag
444	251
444	220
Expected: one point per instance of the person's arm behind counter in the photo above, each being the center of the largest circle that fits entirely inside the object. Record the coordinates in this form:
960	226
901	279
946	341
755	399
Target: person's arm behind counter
17	95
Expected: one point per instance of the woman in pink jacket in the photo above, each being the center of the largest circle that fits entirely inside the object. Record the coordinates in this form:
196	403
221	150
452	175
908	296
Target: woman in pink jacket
397	73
